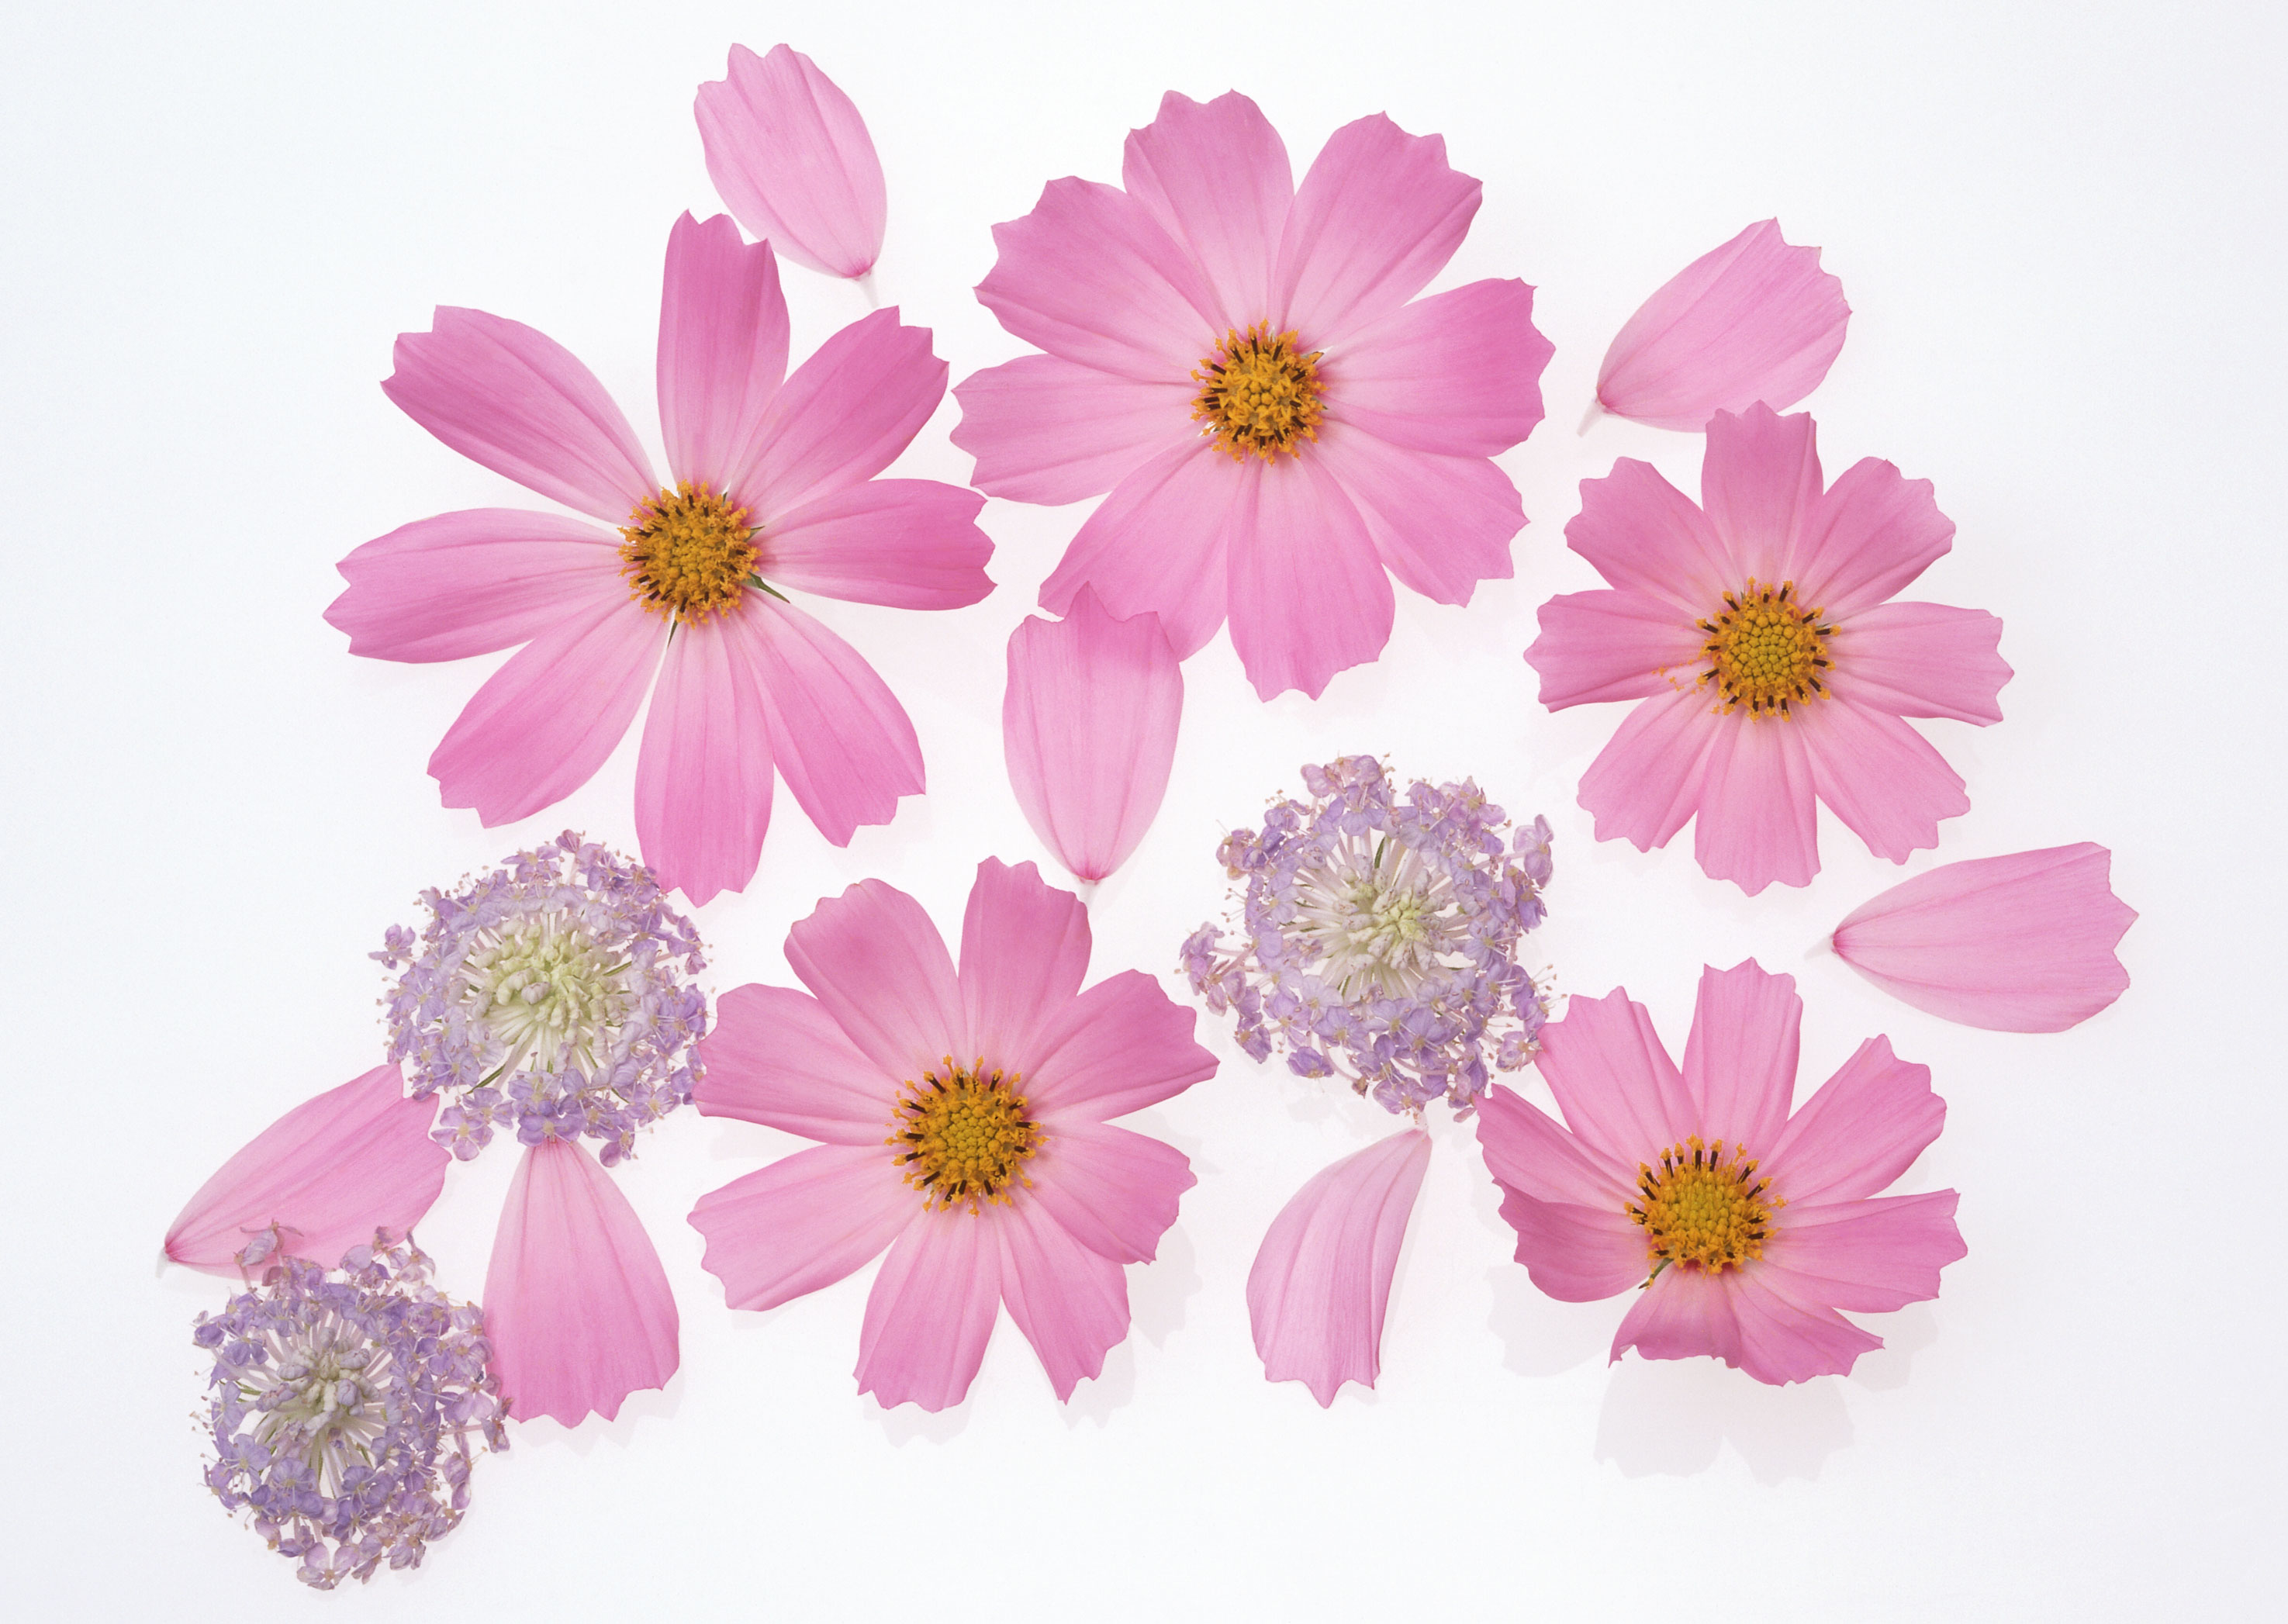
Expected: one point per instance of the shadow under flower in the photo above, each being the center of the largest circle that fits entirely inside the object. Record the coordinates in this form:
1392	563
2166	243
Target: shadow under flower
1671	1418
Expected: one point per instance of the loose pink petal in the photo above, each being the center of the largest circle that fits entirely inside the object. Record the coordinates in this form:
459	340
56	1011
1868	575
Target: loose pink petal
722	346
1070	1302
1868	538
1440	524
1458	372
471	582
790	155
1921	660
1878	775
1091	276
841	740
520	404
1321	1278
1526	1150
544	722
908	544
932	1310
1754	319
1739	1064
1157	545
1618	1090
805	1221
704	778
1612	645
777	1058
842	418
325	1176
1759	815
1874	1256
1119	1047
1783	1340
1759	482
1050	431
1865	1128
1309	596
1216	176
1113	1191
1088	725
2023	943
1378	216
1024	951
880	968
1645	784
576	1306
1645	536
1576	1254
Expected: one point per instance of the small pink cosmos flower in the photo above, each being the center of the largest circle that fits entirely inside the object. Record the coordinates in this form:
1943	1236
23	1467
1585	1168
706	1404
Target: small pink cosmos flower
1772	670
773	486
1745	1228
962	1120
1243	364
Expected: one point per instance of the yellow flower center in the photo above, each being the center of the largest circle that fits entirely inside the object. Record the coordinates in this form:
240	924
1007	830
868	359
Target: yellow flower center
1697	1210
1766	650
687	553
962	1136
1259	394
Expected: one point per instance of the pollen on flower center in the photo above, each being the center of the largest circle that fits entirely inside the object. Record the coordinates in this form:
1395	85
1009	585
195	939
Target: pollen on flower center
1259	395
1697	1210
688	553
1766	650
962	1136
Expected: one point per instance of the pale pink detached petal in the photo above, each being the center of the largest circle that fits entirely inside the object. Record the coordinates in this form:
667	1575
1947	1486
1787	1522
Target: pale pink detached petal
1309	596
905	544
1755	319
841	740
805	1221
789	153
704	778
2023	943
1119	1047
471	582
722	346
1024	951
932	1310
325	1176
1088	725
775	1057
880	968
577	1305
1070	1302
1376	217
522	405
1321	1281
1051	431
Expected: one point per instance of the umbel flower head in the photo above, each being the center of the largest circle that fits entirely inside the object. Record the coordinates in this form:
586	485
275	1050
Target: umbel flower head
552	996
1379	936
346	1407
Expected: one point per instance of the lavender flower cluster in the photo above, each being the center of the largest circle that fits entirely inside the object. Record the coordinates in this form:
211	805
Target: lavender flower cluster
1379	937
552	996
345	1408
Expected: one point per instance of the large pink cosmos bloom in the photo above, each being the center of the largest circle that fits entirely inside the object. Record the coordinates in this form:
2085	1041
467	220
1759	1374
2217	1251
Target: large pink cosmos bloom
772	483
1772	670
962	1116
1742	1227
1235	359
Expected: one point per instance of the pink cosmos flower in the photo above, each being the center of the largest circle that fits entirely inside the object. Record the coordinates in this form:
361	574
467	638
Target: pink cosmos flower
773	487
1742	1227
1236	360
792	161
2023	943
962	1116
1772	670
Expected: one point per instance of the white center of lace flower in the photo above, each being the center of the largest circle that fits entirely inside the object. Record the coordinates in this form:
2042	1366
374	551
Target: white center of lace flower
321	1395
1380	916
544	994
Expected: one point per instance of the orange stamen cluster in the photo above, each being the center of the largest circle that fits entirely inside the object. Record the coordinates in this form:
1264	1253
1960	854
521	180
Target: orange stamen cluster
688	553
1699	1211
962	1137
1765	651
1259	395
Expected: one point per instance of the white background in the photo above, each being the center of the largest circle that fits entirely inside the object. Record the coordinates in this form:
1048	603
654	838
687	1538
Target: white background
2061	230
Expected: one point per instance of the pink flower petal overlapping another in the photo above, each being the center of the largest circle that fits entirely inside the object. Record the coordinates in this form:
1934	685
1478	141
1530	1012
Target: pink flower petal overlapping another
886	1011
1810	1231
792	161
1132	293
1806	574
745	685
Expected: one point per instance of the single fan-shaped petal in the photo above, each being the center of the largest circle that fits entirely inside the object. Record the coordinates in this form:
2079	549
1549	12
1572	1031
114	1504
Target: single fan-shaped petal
805	1221
1070	1302
1874	1255
839	735
1880	776
1321	1278
790	155
1113	1191
842	418
1216	176
932	1310
704	777
1051	431
325	1176
1440	524
576	1306
1576	1254
1024	952
880	968
1158	543
1759	482
1758	814
909	544
1525	1150
1739	1063
777	1058
471	582
1783	1340
1645	536
1754	319
722	346
2023	943
1611	644
517	402
1684	1313
1458	372
1921	660
1119	1047
544	722
1088	725
1645	784
1309	596
1865	1128
1618	1090
1378	216
1867	538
